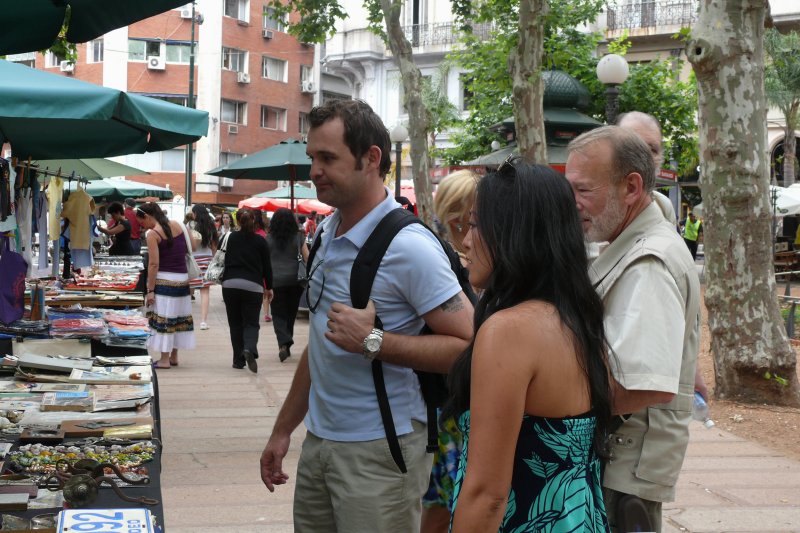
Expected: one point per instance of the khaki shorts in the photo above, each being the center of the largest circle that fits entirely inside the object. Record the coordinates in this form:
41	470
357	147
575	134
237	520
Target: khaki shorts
354	487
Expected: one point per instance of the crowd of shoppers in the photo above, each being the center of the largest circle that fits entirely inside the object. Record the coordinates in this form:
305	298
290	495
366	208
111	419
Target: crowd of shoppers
565	412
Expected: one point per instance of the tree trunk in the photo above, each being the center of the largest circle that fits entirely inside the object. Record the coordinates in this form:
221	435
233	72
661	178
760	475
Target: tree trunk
525	64
789	146
418	121
748	338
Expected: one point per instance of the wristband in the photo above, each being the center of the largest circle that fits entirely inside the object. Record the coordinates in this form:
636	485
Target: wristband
151	292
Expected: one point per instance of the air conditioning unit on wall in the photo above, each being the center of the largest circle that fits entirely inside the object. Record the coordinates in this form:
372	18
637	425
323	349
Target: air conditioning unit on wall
66	66
268	34
307	87
233	129
243	77
156	63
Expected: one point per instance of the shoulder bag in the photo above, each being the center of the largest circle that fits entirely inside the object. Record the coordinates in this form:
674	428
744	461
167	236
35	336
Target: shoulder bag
191	264
216	268
302	273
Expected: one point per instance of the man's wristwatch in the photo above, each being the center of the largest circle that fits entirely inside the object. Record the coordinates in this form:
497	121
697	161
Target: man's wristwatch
372	344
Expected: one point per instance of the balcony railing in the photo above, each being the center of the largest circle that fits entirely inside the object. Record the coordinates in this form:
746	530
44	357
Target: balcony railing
442	33
651	14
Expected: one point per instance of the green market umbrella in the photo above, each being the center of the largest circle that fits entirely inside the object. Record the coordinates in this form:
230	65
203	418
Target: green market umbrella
90	169
285	159
46	116
31	25
300	192
111	190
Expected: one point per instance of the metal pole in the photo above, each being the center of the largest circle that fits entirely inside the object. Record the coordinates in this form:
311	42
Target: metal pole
398	154
190	102
612	94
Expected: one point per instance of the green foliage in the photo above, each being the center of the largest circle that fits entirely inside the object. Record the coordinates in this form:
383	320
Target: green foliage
442	113
782	73
62	48
317	18
654	87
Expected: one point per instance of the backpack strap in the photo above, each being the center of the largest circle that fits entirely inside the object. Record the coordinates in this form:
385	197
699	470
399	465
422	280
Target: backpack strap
362	276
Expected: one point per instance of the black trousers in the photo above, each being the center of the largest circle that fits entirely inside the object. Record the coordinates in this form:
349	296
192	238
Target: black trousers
243	309
285	301
692	247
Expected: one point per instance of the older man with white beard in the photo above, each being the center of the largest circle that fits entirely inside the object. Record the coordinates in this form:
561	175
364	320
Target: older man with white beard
651	294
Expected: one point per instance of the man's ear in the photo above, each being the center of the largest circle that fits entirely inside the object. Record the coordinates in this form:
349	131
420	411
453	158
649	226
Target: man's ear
634	188
374	155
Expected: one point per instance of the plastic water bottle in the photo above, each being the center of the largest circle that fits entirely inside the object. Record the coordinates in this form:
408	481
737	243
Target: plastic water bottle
700	411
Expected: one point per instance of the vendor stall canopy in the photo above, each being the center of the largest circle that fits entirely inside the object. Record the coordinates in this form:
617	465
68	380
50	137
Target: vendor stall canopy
46	116
30	25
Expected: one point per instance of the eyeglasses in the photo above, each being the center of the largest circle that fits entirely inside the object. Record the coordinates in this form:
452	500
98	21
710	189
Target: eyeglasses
314	268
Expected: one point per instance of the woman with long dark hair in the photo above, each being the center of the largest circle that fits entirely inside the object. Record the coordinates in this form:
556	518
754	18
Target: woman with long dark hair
204	225
286	241
246	283
531	393
171	323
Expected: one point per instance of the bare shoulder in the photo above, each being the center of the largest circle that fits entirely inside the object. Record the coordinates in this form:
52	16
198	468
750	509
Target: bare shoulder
177	227
531	327
529	318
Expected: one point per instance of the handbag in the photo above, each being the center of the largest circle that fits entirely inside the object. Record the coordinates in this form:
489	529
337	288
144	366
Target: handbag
302	273
191	264
12	291
216	268
302	279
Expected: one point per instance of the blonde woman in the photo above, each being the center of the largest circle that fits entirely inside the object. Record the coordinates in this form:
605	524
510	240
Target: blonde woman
454	198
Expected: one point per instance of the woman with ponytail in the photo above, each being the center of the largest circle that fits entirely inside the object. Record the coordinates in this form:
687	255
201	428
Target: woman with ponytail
531	392
168	296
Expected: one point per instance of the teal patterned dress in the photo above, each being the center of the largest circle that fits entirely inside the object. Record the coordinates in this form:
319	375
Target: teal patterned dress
556	482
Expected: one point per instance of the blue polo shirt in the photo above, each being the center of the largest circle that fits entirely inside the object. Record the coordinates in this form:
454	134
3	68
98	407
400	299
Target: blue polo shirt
413	279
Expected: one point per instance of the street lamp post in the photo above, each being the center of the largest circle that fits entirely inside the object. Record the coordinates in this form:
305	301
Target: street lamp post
398	134
196	19
612	70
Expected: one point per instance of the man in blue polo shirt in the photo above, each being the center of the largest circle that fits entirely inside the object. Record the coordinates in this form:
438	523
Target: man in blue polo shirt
347	480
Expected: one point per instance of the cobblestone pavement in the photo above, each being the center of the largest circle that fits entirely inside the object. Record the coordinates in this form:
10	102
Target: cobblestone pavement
216	419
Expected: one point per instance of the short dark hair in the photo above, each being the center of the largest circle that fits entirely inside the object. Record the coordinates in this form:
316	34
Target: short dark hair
129	202
115	207
362	128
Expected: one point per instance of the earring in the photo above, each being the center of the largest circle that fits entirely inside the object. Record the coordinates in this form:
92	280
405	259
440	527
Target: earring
459	228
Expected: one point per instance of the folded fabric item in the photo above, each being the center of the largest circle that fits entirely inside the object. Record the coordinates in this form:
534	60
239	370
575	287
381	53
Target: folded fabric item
78	327
125	318
27	328
128	331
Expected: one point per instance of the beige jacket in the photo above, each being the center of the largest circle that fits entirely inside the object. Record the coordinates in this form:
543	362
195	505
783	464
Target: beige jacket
648	449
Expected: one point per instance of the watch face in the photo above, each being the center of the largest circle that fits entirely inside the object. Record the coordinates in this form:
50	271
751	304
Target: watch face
373	344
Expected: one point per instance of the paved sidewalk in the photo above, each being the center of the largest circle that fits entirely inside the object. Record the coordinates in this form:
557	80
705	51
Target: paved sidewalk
215	422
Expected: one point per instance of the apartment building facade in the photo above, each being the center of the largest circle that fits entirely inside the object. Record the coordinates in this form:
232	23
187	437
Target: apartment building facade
256	81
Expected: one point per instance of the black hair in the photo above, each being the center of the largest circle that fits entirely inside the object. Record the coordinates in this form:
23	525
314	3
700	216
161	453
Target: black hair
115	207
528	221
155	211
258	220
362	128
204	225
245	219
283	227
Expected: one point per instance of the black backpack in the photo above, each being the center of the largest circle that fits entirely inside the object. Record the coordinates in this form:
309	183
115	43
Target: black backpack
362	276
